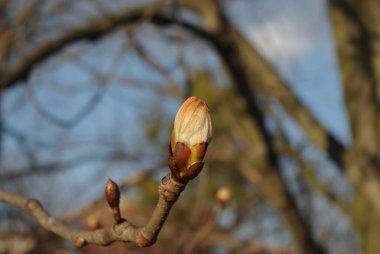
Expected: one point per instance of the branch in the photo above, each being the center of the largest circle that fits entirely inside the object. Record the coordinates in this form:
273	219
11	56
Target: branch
94	29
222	198
254	76
185	163
356	47
169	190
90	105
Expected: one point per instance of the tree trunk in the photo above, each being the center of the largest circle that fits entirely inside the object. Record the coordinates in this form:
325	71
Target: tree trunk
357	31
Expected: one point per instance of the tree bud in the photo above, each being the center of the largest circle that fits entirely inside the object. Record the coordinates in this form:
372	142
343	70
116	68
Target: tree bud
189	140
223	196
112	194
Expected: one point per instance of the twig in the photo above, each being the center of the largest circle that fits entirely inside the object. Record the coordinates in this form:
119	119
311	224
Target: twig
203	232
149	59
95	29
222	199
77	118
169	190
90	105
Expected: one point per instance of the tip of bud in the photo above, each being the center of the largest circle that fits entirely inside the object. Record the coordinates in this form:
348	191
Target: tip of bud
192	123
223	196
112	193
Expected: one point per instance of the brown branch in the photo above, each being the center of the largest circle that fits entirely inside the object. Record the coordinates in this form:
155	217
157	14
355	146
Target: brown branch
169	191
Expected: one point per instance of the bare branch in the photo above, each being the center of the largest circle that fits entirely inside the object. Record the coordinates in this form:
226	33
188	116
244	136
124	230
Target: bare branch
169	190
90	105
149	59
202	233
93	30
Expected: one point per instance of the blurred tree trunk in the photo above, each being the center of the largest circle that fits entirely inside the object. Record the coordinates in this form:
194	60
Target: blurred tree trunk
357	35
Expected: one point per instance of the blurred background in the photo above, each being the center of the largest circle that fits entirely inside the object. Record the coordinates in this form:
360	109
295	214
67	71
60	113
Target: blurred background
89	90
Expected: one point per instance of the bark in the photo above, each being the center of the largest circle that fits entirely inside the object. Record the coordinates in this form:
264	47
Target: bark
169	191
357	33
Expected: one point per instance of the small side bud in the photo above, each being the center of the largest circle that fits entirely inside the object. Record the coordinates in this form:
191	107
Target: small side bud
223	196
112	194
190	137
113	198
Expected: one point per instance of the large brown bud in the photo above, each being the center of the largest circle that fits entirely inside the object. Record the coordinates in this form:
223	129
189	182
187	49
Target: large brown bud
190	136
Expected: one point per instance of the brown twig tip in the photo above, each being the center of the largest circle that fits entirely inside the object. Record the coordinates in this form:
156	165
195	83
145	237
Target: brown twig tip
112	194
79	242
